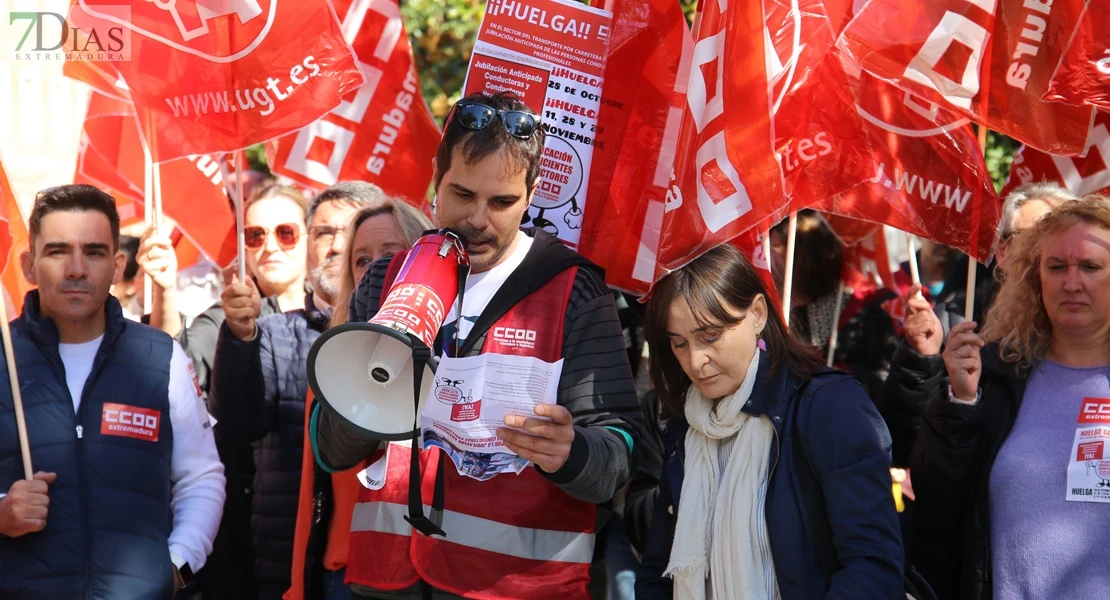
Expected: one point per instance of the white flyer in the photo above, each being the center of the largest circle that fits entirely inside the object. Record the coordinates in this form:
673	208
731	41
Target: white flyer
470	400
1089	465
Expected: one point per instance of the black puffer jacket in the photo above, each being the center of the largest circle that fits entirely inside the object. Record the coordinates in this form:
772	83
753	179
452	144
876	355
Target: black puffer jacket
951	465
258	394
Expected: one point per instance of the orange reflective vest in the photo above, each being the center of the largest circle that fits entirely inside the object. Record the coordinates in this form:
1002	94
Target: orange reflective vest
510	537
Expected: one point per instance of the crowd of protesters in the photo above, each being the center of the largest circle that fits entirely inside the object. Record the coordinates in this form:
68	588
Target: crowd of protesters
186	456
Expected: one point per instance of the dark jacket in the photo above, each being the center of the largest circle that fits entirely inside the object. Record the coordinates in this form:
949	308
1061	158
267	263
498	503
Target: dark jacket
901	396
830	515
951	465
107	532
227	574
643	488
258	395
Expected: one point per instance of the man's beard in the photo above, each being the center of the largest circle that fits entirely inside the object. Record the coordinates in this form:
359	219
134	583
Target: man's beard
325	283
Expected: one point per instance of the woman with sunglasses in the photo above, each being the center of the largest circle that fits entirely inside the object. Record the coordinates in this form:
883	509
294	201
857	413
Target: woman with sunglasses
274	227
778	481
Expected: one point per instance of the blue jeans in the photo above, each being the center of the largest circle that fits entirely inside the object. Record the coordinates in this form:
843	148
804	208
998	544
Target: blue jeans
620	563
334	588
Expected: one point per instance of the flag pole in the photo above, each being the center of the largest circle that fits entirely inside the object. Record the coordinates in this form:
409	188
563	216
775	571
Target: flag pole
236	196
788	273
148	220
17	398
241	252
972	264
915	271
836	323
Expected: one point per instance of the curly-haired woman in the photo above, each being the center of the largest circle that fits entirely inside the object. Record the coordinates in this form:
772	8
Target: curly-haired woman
1007	504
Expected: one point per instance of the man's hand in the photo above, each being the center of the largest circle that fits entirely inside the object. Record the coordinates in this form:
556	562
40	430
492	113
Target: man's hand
157	258
923	330
544	442
24	509
961	358
242	304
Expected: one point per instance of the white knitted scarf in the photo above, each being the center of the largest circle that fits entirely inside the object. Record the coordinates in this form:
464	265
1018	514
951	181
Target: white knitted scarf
720	549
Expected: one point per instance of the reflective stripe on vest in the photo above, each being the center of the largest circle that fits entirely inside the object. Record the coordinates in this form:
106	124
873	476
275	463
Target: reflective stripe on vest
483	534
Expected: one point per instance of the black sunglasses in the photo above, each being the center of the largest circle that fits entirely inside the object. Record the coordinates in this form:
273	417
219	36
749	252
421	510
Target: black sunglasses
476	116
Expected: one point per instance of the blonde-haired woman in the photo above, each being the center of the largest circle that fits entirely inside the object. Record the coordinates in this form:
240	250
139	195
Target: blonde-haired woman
326	501
376	232
1012	494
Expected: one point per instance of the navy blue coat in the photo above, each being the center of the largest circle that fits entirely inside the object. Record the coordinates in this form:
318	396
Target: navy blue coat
257	395
830	514
107	534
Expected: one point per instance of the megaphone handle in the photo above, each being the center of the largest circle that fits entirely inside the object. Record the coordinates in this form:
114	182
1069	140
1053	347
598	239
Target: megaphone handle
420	357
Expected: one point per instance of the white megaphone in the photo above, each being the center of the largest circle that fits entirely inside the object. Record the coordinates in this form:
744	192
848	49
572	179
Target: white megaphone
363	372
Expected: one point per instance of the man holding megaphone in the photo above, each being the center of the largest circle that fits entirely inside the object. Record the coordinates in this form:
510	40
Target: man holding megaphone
513	536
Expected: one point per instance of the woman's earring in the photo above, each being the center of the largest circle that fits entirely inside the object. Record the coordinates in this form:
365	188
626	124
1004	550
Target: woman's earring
759	341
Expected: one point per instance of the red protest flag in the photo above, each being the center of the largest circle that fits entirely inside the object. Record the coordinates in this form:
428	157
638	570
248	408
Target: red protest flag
1081	175
221	76
193	195
1083	75
378	131
638	124
988	60
928	175
14	240
727	176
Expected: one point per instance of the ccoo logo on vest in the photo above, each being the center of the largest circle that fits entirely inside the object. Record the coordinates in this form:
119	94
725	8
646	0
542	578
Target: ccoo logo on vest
134	422
363	372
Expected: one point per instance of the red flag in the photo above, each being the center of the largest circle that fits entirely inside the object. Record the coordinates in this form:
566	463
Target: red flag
378	131
1083	76
210	76
111	157
727	178
638	124
1084	175
927	175
13	242
989	60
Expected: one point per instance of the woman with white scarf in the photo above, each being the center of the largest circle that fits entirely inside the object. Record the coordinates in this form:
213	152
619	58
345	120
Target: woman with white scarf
782	467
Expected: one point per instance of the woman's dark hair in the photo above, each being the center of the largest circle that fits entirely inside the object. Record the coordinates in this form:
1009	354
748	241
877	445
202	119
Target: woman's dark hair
129	245
76	197
715	284
818	275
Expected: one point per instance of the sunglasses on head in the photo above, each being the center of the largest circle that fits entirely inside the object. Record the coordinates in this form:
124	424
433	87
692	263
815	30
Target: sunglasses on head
286	234
477	116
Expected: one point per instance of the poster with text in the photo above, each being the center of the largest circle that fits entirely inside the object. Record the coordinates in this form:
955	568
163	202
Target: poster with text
550	53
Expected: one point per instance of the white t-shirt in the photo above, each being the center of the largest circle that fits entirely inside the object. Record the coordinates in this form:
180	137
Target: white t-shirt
196	473
481	287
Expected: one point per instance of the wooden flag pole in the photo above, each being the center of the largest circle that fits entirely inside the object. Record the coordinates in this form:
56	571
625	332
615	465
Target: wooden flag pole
788	274
836	323
236	195
239	219
972	264
148	220
766	241
17	398
915	271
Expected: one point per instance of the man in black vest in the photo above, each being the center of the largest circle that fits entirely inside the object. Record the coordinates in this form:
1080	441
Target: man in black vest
130	488
486	172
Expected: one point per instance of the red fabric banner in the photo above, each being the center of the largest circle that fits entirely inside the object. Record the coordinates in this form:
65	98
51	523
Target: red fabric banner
378	131
1089	174
221	76
13	242
988	60
111	157
1083	75
727	177
638	126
